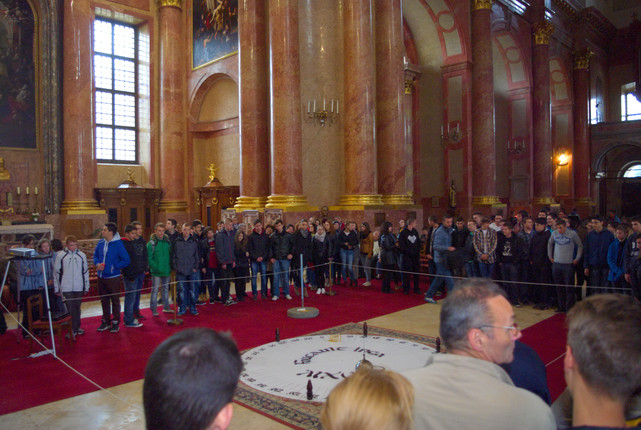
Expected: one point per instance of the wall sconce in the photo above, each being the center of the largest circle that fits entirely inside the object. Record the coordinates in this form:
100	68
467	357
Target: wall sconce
515	146
322	116
453	135
562	157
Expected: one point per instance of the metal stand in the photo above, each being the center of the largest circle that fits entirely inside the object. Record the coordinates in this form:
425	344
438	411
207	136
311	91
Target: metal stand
175	320
46	293
331	292
302	312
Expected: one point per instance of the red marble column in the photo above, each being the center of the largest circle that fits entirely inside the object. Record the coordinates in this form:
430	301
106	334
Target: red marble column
483	149
542	183
172	114
581	154
77	103
390	89
254	137
286	149
360	97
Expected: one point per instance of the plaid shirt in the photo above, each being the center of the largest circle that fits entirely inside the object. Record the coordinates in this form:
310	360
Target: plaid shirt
485	244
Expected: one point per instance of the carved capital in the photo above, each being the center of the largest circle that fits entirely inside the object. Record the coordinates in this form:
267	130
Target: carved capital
542	32
171	3
481	4
582	59
409	86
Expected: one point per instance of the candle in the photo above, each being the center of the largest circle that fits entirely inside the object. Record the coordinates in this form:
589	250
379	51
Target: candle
448	128
308	105
27	190
36	191
337	107
332	106
441	130
18	190
314	105
323	104
9	199
457	129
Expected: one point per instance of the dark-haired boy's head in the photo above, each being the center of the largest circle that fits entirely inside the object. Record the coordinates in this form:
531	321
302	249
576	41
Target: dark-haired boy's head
190	380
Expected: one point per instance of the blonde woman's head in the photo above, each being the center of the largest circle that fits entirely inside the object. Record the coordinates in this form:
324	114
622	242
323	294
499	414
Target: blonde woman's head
369	399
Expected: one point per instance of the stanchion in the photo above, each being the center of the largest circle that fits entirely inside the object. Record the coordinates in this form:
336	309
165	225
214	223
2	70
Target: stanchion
331	292
302	312
175	320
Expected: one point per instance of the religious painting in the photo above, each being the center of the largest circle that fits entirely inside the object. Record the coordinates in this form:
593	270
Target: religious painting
273	215
17	75
249	218
227	214
215	30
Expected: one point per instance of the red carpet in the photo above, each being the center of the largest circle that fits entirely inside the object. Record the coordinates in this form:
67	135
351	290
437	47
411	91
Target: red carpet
548	339
111	359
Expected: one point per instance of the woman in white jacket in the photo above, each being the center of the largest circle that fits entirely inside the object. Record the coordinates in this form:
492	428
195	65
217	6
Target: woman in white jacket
71	278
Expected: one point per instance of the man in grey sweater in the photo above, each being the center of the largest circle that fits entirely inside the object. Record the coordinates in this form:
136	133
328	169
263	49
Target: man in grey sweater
564	251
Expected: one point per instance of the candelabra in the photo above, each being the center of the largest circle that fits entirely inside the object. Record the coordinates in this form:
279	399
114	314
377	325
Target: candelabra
453	134
322	116
515	146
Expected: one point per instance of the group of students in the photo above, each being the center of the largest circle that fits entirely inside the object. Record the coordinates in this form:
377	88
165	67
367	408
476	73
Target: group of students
532	255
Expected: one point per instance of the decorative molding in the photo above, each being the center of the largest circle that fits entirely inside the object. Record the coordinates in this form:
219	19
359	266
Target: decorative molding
361	200
250	203
485	200
481	4
543	201
542	31
171	3
409	86
582	59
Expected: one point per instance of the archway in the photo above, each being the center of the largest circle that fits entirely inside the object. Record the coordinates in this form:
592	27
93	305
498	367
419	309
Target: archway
618	177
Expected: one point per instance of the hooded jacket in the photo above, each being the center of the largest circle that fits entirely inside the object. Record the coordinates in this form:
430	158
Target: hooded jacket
113	254
159	256
186	257
137	251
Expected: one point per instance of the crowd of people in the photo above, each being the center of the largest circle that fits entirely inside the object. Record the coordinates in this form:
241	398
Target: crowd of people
540	261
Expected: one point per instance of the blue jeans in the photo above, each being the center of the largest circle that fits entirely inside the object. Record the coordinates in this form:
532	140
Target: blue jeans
486	270
130	298
139	283
510	272
189	290
281	277
564	275
347	258
259	266
445	276
472	269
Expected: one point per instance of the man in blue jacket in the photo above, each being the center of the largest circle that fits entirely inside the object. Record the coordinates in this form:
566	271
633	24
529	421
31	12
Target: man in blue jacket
109	258
442	244
595	261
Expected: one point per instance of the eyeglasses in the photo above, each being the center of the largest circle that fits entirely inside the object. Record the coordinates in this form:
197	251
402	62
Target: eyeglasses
513	329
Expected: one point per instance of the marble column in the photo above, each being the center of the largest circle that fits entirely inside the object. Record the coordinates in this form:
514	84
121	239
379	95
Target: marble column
581	153
542	184
172	113
483	146
284	68
253	96
390	86
77	103
359	113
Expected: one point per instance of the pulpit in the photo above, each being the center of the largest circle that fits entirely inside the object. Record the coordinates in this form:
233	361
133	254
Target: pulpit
125	205
213	198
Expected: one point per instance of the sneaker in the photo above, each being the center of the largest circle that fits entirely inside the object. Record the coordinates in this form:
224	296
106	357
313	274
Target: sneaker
155	313
367	284
274	298
139	317
263	296
194	313
429	300
115	327
181	313
288	297
230	302
104	327
168	310
255	297
80	332
134	324
319	291
200	303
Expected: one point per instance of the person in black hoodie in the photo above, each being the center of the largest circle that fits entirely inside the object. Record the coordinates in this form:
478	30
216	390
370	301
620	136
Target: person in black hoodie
410	246
137	250
302	246
542	295
258	252
322	252
388	254
241	270
511	252
208	265
281	253
186	263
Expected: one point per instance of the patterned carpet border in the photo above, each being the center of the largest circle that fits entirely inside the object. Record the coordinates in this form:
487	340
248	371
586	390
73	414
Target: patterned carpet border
306	415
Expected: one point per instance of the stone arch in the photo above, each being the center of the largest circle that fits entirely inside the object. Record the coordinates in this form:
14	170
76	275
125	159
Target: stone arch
203	91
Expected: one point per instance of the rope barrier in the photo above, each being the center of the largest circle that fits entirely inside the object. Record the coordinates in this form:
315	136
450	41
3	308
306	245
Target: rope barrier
86	378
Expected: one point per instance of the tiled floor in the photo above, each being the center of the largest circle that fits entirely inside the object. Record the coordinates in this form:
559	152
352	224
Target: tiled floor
121	406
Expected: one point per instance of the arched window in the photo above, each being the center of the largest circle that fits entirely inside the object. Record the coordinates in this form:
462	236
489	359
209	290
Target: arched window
630	105
633	171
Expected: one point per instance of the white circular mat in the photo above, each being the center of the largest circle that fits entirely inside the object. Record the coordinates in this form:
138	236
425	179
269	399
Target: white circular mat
283	368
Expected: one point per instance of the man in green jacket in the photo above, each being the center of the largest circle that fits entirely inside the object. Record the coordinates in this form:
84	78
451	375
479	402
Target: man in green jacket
159	254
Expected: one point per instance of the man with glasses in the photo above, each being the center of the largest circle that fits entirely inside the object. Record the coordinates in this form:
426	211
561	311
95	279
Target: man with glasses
466	388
